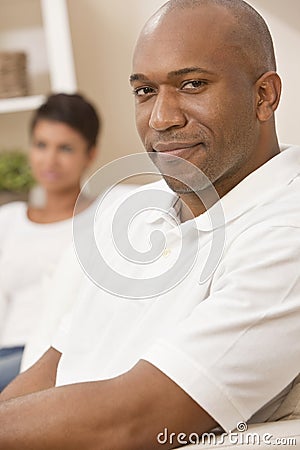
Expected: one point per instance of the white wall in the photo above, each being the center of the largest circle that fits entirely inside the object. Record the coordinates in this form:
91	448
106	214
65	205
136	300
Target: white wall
283	18
104	34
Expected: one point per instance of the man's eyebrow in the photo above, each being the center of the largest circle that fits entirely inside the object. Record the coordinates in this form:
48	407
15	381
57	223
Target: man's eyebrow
174	73
137	77
187	70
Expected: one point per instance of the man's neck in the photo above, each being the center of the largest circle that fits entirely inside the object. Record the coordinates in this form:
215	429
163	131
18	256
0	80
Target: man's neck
195	204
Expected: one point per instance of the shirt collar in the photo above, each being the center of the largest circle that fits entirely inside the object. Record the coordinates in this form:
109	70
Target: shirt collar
169	205
252	190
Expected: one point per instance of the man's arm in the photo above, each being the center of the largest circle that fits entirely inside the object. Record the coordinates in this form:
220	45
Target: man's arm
40	376
124	413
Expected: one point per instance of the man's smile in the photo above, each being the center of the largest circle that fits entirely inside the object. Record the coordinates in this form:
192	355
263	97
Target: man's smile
179	149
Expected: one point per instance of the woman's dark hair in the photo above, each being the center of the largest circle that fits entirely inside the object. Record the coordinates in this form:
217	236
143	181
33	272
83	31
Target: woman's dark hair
73	110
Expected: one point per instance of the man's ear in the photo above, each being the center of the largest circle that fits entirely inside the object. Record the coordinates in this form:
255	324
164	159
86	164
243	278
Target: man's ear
268	95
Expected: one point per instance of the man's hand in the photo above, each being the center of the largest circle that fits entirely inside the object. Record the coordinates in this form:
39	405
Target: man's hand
124	413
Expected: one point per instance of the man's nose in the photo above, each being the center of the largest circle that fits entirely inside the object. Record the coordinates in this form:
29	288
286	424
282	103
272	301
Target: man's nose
166	112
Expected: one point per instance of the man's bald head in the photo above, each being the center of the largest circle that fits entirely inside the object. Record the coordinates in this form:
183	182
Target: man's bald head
249	33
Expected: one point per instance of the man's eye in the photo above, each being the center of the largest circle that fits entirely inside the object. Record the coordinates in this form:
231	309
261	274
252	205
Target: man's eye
194	84
147	90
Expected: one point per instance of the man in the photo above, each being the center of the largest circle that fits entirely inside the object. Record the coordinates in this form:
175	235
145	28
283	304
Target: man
201	354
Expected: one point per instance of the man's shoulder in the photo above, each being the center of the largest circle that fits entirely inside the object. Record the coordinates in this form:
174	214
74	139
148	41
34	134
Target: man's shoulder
275	199
273	218
283	208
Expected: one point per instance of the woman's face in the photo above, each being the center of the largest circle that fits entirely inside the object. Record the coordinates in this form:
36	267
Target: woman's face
58	155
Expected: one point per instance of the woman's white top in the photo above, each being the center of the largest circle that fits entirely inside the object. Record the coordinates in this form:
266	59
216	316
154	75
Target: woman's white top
62	290
29	253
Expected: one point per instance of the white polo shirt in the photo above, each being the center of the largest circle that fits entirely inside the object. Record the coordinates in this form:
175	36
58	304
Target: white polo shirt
228	334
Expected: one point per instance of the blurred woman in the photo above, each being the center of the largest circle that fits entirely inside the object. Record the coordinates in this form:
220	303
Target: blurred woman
64	133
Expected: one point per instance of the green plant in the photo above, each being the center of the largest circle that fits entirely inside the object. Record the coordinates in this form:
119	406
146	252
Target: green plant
15	174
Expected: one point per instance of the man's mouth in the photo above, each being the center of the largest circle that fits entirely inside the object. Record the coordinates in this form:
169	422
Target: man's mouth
179	149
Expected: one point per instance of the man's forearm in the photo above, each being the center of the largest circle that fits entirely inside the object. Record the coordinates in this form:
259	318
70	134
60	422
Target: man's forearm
66	417
124	413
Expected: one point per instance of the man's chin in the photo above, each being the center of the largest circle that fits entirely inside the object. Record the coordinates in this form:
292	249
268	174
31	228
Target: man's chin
181	188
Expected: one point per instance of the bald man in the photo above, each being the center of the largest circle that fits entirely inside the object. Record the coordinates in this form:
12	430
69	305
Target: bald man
128	375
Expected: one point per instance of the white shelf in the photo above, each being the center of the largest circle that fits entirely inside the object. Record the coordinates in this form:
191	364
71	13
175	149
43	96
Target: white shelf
59	54
59	45
9	105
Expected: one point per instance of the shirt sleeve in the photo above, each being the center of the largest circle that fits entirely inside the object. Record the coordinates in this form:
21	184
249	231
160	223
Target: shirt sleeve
66	293
60	338
241	346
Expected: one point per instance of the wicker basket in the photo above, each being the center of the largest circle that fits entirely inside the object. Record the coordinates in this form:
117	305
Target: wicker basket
13	74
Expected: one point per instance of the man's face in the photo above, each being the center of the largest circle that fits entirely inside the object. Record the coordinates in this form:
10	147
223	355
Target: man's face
194	98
